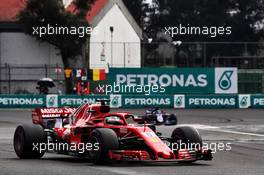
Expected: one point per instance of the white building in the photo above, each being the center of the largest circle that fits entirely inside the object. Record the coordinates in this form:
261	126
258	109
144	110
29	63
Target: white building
17	47
120	48
117	38
19	50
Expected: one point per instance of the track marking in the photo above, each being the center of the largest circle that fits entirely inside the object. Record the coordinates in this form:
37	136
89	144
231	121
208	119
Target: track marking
199	126
219	129
239	133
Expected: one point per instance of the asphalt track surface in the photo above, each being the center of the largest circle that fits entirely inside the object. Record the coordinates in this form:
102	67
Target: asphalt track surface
243	129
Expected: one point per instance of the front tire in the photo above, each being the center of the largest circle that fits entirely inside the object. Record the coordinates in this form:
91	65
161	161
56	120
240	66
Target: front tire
187	137
25	137
107	140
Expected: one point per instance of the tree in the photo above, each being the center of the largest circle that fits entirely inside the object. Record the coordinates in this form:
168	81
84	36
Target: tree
44	13
142	12
244	16
241	15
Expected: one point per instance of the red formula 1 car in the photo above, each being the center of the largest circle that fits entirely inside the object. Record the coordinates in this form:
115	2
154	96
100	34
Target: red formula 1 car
103	136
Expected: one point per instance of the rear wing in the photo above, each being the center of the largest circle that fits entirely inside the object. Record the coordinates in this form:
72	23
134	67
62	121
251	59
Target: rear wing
42	116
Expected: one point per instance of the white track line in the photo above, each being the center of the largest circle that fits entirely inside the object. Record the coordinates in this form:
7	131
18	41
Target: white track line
238	132
218	129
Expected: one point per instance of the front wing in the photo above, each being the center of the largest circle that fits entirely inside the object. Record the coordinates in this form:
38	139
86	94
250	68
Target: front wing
183	155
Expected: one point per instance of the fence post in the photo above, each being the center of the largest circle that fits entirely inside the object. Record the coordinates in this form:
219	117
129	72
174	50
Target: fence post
0	64
9	78
246	49
57	75
124	54
204	54
262	83
0	75
46	70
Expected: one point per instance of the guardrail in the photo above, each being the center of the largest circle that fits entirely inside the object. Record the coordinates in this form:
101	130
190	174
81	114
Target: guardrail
137	101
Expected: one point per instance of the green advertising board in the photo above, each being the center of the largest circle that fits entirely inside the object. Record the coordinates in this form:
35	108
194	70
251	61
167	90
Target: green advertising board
22	101
216	101
211	101
139	101
257	101
172	81
75	100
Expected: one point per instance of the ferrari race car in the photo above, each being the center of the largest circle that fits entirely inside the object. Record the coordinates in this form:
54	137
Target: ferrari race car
160	117
102	136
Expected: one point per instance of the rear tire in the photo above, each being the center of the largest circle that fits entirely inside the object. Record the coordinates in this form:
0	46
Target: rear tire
24	138
107	140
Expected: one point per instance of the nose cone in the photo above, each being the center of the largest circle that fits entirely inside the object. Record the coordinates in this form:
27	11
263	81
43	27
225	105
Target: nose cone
155	143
